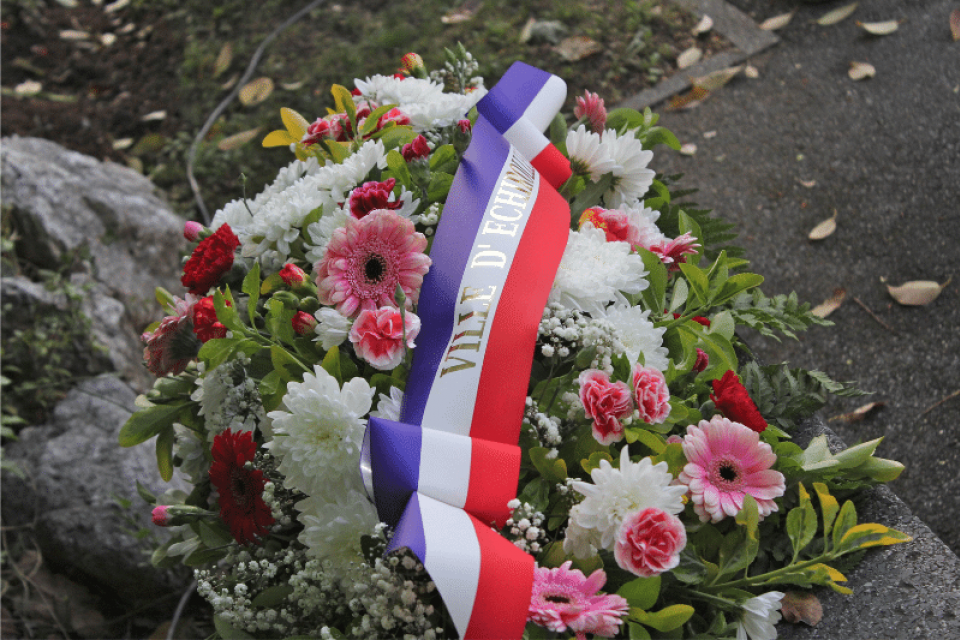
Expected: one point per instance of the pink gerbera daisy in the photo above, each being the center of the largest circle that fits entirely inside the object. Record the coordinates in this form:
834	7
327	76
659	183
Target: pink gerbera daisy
725	462
367	259
564	598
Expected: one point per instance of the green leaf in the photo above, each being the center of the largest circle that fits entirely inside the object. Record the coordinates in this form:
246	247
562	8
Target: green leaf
655	442
202	557
641	593
272	596
214	534
846	520
537	493
558	132
146	423
856	455
624	119
589	197
228	631
689	225
394	137
654	295
444	158
552	555
344	103
372	120
691	569
637	632
227	315
870	534
667	619
659	135
439	186
699	284
802	523
165	441
593	460
722	324
554	471
289	368
331	364
734	285
251	287
145	493
680	293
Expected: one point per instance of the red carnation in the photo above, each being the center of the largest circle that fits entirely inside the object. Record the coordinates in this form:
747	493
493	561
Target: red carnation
372	196
212	258
205	323
733	401
415	150
241	489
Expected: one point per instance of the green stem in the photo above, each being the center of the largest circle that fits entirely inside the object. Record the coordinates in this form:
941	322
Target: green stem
724	603
767	578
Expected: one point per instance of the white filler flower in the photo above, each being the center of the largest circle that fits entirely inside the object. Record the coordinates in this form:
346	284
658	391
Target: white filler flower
760	614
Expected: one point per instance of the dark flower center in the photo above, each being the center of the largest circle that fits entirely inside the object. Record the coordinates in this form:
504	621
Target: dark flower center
240	487
560	599
728	472
375	268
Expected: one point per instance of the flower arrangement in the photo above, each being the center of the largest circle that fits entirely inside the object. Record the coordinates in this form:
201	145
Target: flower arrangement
466	369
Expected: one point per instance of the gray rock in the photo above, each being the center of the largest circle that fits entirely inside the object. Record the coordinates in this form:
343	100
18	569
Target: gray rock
75	474
68	206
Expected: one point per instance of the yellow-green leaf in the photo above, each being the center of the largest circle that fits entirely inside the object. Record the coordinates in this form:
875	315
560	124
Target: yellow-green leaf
238	140
835	16
641	593
279	138
223	60
295	123
165	441
828	505
871	534
846	520
256	91
667	619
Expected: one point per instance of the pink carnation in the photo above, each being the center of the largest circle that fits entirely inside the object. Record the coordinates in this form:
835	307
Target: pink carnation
649	542
367	259
652	394
605	402
591	107
372	196
673	252
377	336
565	599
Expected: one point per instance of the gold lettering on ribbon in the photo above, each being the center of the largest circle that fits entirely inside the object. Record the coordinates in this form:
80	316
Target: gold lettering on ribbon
510	204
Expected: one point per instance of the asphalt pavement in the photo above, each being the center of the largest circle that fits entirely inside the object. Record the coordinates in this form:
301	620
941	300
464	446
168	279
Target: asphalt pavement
780	153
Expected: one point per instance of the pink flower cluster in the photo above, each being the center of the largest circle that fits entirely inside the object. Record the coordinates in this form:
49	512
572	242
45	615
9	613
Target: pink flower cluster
607	402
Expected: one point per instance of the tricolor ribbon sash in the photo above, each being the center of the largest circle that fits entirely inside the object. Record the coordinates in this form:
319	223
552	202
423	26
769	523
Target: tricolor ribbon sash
445	472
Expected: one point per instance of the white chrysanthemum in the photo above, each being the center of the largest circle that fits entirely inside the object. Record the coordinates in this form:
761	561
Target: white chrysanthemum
391	90
638	335
443	112
594	272
632	178
319	431
332	327
587	155
760	615
332	528
192	451
321	231
389	406
423	101
616	493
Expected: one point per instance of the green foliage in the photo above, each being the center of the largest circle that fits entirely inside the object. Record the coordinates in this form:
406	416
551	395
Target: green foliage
781	313
786	396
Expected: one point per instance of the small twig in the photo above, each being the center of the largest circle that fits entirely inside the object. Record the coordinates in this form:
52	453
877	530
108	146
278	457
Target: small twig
875	317
180	606
952	395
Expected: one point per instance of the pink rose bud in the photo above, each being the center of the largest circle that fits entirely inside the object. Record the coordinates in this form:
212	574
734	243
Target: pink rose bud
605	402
649	542
292	275
415	150
464	125
320	128
591	107
191	230
159	515
674	439
652	394
303	323
702	361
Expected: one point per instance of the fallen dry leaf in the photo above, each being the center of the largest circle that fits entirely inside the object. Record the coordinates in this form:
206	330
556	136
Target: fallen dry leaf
825	228
578	47
777	22
73	34
917	292
237	140
801	606
122	143
461	14
751	72
688	100
689	57
688	149
955	24
879	28
709	134
861	70
835	16
705	24
223	60
256	91
291	86
28	88
107	39
116	6
809	184
154	115
716	79
831	304
859	413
